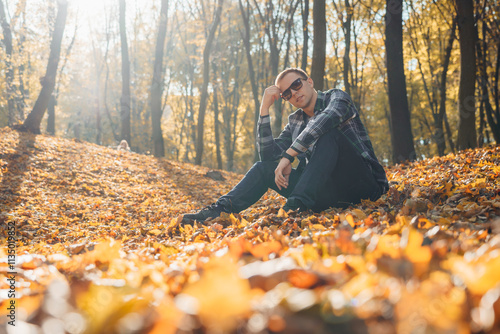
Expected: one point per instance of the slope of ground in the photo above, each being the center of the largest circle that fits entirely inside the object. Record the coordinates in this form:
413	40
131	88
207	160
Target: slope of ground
98	249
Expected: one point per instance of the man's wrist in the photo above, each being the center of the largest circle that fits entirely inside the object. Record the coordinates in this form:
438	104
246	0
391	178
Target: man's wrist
287	156
264	112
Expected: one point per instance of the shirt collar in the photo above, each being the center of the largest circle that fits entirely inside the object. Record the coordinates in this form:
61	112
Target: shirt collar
318	107
320	102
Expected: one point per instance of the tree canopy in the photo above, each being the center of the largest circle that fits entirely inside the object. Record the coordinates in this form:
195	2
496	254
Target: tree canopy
251	43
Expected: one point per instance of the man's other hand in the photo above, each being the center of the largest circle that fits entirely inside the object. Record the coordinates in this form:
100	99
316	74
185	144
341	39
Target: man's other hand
282	173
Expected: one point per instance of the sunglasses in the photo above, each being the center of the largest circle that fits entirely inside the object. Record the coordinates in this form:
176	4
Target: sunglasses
296	85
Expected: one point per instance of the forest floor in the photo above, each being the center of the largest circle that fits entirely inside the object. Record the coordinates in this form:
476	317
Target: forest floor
99	249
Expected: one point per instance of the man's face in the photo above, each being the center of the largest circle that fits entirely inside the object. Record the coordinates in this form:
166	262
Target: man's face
302	97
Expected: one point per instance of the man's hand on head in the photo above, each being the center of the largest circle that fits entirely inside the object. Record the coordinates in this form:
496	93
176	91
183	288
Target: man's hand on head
282	173
271	94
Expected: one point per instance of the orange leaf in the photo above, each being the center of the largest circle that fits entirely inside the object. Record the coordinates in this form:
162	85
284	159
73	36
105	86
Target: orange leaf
302	279
265	248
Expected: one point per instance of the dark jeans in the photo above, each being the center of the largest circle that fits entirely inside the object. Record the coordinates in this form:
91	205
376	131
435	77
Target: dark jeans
335	176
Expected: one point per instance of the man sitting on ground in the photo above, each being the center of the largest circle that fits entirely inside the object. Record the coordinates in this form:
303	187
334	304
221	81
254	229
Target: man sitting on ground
337	165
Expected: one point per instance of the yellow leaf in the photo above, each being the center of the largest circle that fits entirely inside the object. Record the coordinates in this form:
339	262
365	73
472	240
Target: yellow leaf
357	284
221	295
169	319
350	220
479	275
234	220
282	213
155	232
388	245
318	227
310	254
243	223
360	215
356	262
419	255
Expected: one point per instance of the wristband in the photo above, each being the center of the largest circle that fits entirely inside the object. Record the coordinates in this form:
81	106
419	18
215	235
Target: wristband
287	156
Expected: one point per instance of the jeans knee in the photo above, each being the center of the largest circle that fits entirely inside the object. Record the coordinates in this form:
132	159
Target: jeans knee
329	139
264	165
263	169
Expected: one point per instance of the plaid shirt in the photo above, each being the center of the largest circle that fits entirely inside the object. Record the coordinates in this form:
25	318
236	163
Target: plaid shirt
333	108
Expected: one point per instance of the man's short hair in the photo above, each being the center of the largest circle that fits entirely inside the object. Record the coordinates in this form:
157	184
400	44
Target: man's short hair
291	70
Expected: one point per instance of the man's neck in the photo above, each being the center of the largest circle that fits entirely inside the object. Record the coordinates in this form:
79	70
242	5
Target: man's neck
309	109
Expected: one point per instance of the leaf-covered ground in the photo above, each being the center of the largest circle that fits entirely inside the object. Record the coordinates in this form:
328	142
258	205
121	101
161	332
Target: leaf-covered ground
100	249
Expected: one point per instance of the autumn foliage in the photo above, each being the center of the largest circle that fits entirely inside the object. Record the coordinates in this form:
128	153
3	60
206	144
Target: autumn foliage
100	248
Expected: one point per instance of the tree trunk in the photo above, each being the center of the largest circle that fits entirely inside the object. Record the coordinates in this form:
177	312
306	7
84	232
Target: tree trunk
216	128
98	117
23	92
448	133
439	134
125	98
319	44
278	106
347	32
51	115
157	84
493	116
206	79
466	92
251	72
9	73
233	112
401	135
269	24
51	109
497	75
305	34
34	119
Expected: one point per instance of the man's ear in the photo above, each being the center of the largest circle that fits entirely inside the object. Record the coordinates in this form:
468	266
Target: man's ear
310	81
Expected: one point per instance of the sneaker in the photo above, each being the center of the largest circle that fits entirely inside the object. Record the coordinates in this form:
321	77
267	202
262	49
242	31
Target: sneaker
294	204
211	211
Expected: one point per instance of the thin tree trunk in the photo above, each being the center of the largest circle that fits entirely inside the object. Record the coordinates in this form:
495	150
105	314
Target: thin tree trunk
497	75
347	32
493	116
106	82
289	26
270	26
51	109
251	72
215	103
206	79
98	117
157	84
466	92
492	122
480	136
234	113
401	135
34	119
9	73
278	107
97	90
125	97
23	93
439	135
319	44
449	133
305	34
51	115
